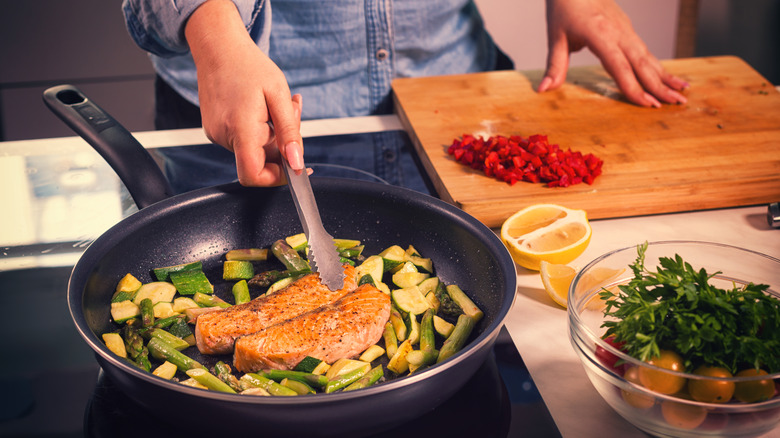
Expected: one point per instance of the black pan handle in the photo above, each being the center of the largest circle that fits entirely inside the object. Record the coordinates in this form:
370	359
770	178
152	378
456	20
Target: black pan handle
134	165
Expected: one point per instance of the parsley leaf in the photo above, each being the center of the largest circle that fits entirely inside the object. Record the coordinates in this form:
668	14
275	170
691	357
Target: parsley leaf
676	308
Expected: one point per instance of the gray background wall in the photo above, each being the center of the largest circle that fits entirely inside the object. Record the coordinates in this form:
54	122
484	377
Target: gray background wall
84	42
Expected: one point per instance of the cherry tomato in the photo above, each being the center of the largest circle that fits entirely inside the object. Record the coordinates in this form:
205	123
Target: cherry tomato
659	381
609	359
711	391
682	415
633	397
754	390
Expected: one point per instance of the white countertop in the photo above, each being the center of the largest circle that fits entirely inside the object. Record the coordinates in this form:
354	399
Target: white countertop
539	327
42	223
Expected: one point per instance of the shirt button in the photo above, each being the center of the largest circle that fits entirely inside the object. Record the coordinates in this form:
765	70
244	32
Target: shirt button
381	54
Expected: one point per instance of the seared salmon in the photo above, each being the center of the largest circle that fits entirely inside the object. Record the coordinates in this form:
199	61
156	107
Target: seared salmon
215	332
339	330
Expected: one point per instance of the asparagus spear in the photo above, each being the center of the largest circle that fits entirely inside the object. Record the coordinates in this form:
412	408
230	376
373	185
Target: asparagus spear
459	335
134	344
368	379
223	372
147	312
273	388
289	257
209	380
346	379
391	342
315	380
164	351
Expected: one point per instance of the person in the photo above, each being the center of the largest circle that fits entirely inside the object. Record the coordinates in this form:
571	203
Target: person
231	66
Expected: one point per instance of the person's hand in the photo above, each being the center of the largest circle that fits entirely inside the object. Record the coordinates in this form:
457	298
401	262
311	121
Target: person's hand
602	27
240	91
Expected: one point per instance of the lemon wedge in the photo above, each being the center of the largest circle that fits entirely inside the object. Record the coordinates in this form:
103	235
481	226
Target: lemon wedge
556	279
546	232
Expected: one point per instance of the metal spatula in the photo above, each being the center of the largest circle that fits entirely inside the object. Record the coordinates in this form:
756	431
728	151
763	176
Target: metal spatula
323	257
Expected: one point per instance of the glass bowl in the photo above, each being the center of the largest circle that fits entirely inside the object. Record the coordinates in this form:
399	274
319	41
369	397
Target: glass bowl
612	372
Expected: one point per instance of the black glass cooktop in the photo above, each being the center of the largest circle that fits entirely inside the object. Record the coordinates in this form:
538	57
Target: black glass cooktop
53	387
499	401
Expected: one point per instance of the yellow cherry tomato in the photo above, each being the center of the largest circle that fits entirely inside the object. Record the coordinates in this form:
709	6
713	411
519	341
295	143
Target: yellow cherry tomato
660	381
710	390
633	397
682	415
754	390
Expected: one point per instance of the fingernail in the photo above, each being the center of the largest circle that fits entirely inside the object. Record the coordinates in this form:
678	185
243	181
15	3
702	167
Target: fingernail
294	155
544	84
681	100
652	101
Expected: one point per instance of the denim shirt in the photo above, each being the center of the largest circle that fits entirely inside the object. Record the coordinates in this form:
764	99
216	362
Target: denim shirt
340	55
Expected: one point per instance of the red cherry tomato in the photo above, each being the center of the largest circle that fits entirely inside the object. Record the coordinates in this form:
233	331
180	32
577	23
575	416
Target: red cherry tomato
609	359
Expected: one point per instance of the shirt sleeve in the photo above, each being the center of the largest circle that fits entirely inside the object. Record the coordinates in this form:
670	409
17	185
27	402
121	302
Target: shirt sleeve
157	26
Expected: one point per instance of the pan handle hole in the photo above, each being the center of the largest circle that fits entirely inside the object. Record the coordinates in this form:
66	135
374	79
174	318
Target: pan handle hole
70	97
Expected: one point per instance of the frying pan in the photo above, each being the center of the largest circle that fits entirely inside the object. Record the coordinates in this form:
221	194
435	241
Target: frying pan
205	223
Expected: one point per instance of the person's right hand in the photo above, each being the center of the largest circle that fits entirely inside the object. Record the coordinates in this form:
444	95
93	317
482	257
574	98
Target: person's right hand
240	91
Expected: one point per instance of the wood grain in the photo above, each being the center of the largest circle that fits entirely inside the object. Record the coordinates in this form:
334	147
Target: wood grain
721	149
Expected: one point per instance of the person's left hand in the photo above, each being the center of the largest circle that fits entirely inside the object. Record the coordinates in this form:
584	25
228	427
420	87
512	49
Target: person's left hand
602	27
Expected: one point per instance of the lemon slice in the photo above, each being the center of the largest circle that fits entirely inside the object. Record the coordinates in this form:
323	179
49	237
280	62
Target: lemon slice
546	232
556	279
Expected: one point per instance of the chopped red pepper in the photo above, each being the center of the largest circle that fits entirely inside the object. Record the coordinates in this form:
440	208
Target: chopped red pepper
533	159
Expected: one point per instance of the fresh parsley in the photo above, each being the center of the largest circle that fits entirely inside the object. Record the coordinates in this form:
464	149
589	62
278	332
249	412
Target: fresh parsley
676	308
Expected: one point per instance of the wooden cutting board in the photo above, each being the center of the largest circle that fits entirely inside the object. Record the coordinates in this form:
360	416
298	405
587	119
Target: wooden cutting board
721	149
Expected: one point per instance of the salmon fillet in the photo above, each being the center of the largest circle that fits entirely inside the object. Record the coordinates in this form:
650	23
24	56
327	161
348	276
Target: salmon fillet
215	332
343	329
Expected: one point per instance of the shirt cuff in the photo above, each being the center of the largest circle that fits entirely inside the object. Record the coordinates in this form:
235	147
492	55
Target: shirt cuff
157	26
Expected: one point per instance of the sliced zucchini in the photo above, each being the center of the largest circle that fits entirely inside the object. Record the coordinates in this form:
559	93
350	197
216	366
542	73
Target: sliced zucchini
414	328
163	310
411	251
465	303
297	242
398	363
181	329
422	263
429	285
399	326
115	343
167	370
156	291
248	254
383	287
342	244
180	304
124	310
321	369
373	266
433	300
126	288
307	364
410	300
442	326
408	276
162	274
393	257
372	353
343	366
193	383
279	285
237	270
191	282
